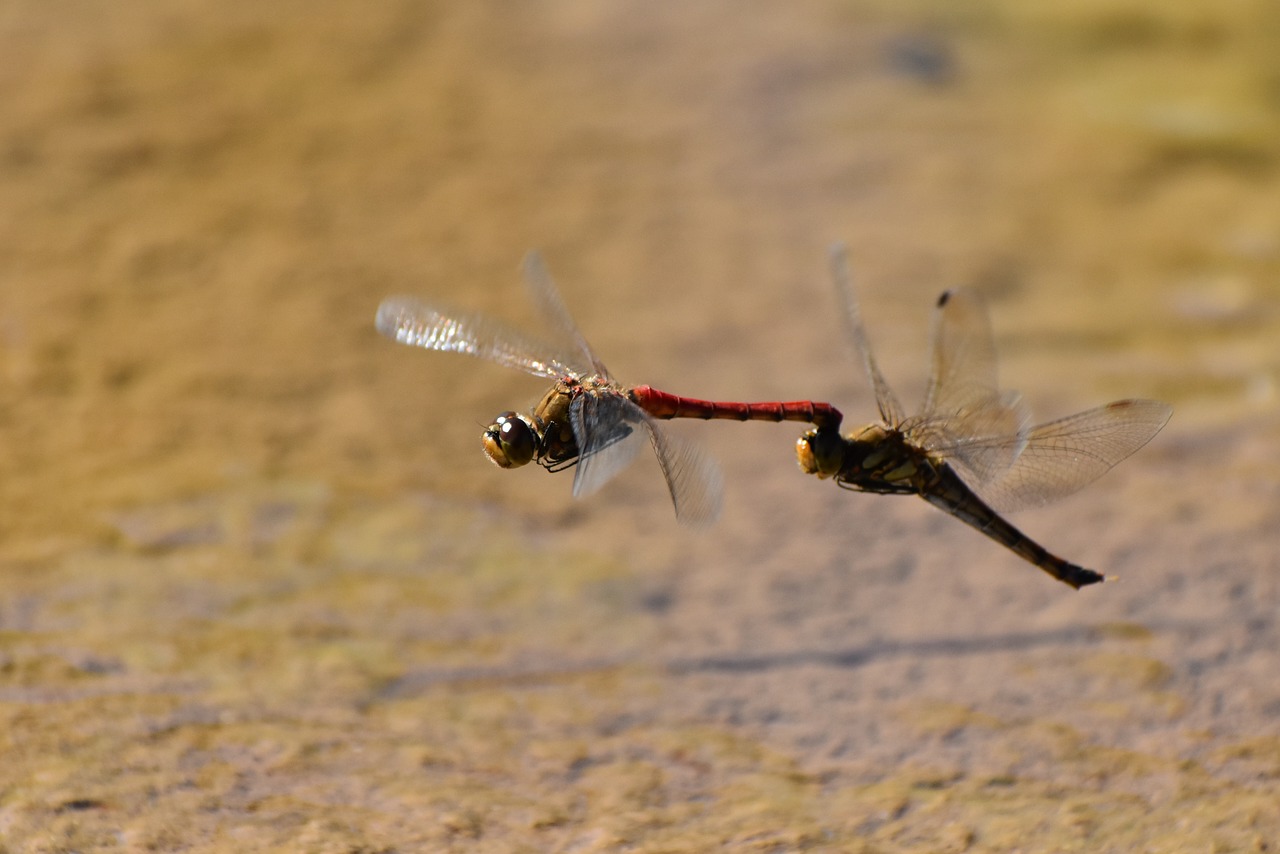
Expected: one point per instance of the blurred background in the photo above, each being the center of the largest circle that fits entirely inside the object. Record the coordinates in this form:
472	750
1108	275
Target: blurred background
259	586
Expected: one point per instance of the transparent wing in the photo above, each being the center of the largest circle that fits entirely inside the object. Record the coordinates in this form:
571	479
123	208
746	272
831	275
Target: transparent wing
412	321
986	434
693	478
982	429
890	409
963	362
610	431
1062	456
546	296
982	441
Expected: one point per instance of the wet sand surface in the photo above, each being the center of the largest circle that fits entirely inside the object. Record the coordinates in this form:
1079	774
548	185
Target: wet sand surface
259	589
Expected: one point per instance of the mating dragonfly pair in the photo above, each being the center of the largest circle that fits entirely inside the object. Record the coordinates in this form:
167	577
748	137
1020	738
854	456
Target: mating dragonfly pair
971	450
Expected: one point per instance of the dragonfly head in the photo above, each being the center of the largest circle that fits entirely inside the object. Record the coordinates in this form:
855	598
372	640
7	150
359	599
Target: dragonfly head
820	452
511	440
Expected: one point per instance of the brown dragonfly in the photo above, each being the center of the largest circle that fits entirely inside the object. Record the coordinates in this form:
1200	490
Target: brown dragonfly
587	419
971	450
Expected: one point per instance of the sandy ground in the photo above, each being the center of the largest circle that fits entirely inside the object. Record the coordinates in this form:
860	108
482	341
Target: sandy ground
259	590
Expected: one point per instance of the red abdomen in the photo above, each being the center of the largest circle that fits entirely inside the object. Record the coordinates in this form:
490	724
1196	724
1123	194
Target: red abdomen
660	404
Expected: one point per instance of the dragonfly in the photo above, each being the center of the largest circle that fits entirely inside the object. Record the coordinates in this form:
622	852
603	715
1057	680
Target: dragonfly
587	420
971	450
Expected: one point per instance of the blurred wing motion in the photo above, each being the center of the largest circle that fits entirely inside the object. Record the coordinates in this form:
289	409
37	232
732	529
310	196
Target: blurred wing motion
546	296
693	478
886	400
608	428
617	429
409	320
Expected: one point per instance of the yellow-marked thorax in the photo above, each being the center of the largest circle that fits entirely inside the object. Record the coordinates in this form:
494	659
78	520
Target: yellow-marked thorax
551	416
874	459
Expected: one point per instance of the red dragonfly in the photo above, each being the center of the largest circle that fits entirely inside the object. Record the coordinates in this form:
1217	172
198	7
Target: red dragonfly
587	419
971	450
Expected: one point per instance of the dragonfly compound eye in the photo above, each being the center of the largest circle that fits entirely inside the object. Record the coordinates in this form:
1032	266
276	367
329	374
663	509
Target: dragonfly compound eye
510	441
819	452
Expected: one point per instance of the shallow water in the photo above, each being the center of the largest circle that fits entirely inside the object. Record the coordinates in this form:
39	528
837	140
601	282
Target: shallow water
261	590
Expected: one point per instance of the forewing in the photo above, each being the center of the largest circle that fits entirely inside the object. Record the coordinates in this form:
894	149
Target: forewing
546	296
1062	456
985	433
982	440
965	417
890	409
609	430
962	374
412	321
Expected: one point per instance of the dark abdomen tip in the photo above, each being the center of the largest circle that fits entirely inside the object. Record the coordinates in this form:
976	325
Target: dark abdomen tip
1081	577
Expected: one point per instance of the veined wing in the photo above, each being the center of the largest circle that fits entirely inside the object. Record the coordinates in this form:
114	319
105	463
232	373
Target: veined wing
693	478
890	410
607	428
981	428
982	441
963	360
610	430
546	296
412	321
1060	457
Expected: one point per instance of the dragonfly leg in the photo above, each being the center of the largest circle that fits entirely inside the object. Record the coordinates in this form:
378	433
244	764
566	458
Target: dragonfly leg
558	464
876	488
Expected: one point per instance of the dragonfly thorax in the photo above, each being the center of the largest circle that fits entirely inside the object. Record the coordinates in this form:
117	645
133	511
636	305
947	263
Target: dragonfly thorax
874	459
557	443
881	459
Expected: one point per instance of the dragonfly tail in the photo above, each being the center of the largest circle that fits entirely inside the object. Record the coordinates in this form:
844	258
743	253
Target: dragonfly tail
1076	576
952	496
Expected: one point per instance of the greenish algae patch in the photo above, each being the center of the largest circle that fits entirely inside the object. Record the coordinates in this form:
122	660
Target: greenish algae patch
1142	672
1075	795
1260	756
580	759
938	717
1124	631
220	673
